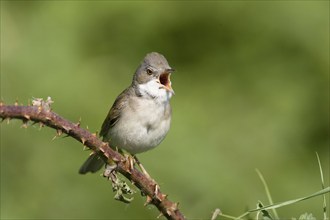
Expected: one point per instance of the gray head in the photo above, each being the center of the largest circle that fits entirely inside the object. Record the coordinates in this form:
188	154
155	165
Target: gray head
154	66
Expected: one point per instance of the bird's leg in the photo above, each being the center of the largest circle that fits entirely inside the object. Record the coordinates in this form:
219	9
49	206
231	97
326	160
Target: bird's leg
141	167
156	190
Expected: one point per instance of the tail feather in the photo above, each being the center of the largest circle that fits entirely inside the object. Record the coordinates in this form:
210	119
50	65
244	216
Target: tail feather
92	164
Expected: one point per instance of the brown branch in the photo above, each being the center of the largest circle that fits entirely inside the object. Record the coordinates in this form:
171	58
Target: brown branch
41	113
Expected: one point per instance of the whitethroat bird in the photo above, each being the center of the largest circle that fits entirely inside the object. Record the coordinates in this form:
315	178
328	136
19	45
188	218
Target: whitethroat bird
140	117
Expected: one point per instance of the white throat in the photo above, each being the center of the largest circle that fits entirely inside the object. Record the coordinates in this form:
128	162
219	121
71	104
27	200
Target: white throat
154	90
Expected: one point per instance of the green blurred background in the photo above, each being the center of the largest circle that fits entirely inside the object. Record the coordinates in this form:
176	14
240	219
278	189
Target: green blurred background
252	91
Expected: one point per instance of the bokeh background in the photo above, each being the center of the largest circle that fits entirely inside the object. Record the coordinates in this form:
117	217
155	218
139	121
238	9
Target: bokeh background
252	91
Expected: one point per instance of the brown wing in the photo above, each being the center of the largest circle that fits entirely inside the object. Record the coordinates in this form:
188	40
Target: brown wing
114	113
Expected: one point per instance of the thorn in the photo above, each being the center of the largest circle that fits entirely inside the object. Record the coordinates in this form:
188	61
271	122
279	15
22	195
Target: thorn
131	163
162	197
156	189
8	120
83	141
148	202
48	103
106	154
92	153
67	129
24	125
29	102
16	102
160	215
54	137
158	195
59	132
1	103
102	149
27	117
87	127
127	160
36	101
78	123
41	125
85	148
94	134
173	208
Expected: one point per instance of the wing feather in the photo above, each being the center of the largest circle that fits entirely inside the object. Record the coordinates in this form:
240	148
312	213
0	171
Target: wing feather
115	112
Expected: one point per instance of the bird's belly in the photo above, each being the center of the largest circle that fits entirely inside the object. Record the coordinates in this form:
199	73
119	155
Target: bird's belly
140	132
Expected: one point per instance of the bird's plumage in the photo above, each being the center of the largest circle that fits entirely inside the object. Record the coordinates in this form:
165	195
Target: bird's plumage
140	117
114	113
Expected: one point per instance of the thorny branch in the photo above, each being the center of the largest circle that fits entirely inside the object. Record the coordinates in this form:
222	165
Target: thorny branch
40	112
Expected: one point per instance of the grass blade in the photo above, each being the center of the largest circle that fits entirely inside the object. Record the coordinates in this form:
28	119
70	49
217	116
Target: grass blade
322	183
267	193
290	202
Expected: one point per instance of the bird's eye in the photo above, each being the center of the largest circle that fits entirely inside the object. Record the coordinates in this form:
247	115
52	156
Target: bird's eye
149	71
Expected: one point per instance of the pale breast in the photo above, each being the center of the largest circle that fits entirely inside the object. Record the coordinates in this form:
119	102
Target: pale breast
143	124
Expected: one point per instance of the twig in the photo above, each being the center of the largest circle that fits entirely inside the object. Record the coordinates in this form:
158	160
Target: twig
41	113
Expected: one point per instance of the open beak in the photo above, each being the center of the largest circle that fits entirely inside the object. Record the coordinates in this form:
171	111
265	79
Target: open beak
164	79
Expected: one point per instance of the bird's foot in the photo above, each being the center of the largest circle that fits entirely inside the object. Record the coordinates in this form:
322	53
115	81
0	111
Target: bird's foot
131	161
